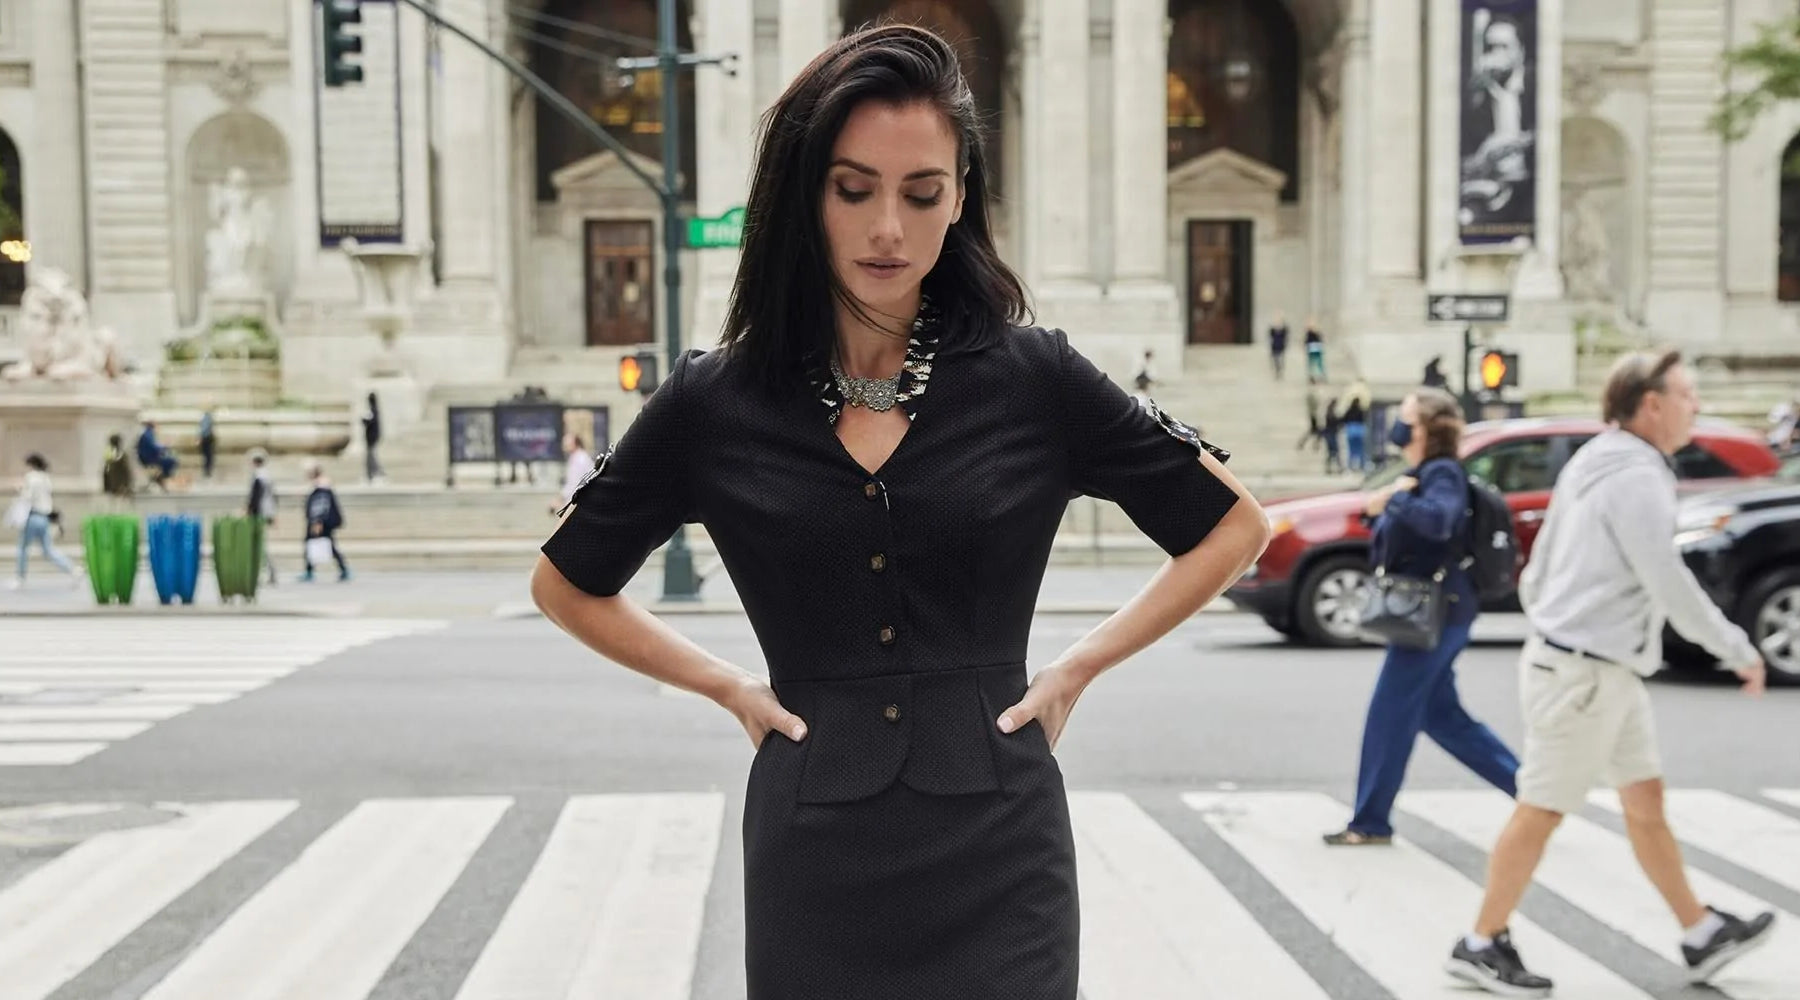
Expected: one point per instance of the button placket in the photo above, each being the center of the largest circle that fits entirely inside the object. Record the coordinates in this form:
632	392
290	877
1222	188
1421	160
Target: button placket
889	618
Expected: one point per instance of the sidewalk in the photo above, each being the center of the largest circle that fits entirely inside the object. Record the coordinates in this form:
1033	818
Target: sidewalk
478	594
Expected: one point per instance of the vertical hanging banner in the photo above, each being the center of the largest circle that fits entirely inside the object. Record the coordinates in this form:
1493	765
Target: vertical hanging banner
1499	122
361	184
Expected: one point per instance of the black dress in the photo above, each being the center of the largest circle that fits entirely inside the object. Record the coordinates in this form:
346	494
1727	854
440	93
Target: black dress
906	849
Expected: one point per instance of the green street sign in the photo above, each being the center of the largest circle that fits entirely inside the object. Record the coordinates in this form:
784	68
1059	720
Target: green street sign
725	231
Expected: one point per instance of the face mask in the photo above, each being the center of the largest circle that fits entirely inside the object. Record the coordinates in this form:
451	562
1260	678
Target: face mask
1400	435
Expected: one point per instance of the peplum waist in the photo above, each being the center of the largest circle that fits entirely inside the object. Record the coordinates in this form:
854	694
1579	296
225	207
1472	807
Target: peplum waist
932	730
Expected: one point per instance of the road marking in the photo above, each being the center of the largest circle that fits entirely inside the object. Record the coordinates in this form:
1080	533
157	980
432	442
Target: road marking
1155	922
613	907
329	925
60	918
1594	869
1748	835
1395	910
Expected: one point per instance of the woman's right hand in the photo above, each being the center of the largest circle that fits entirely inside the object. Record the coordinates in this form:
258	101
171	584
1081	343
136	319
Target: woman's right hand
757	709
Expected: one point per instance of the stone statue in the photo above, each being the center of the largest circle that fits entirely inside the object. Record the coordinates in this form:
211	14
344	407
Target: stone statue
1586	251
237	243
60	344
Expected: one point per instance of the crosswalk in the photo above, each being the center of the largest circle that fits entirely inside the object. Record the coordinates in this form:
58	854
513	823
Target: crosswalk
70	689
1208	894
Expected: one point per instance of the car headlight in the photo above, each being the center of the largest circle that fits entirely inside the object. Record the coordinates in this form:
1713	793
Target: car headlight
1701	524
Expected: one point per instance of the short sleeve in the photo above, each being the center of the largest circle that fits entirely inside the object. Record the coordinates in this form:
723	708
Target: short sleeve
631	502
1138	457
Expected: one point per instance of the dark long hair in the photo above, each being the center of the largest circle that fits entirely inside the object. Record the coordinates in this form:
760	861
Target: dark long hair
781	309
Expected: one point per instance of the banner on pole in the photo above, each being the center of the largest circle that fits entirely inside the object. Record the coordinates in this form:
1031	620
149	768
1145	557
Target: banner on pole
1499	122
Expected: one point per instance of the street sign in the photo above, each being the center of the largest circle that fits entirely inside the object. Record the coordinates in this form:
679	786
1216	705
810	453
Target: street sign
1466	308
725	231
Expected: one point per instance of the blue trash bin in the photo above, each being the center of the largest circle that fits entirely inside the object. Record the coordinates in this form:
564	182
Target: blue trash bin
174	556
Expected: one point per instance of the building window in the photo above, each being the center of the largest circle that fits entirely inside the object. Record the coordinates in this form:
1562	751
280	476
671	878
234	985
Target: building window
1234	83
579	64
1787	286
15	249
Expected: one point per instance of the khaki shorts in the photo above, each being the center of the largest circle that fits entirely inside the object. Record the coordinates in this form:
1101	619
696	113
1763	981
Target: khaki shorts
1587	723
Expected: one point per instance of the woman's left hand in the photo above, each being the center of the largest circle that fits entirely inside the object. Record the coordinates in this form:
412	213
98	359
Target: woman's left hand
1049	700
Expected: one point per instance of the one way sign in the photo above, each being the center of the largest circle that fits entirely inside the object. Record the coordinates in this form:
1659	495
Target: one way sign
1466	308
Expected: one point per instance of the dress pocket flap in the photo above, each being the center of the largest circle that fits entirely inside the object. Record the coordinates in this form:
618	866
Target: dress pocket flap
858	732
950	752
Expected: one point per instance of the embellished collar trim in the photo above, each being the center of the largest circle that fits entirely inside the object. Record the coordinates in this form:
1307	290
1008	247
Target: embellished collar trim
915	371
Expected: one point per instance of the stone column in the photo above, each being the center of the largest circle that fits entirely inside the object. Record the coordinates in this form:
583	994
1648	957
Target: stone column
805	31
1140	188
725	136
1395	54
468	181
1057	113
1354	151
52	165
1685	297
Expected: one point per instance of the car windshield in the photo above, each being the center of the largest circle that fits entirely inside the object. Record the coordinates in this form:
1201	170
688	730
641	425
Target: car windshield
1385	474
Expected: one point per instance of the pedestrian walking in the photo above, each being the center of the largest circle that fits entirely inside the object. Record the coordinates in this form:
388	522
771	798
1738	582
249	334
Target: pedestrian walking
1315	424
1145	379
577	463
115	473
906	830
1421	530
1315	352
262	503
371	425
1331	432
33	514
209	443
1278	344
324	518
1434	374
1604	577
1354	412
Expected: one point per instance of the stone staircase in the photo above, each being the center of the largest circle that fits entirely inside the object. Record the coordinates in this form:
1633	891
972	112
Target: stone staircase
1232	395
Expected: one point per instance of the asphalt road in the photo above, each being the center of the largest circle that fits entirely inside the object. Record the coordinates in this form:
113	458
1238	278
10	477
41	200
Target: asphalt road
326	723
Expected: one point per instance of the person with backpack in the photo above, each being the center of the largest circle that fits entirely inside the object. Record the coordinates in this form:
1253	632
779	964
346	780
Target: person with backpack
1421	532
324	518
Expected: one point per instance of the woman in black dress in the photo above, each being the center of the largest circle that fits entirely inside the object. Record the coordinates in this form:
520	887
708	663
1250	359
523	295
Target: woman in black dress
882	457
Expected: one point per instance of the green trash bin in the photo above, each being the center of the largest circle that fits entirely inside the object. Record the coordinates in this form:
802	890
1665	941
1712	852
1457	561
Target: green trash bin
110	544
238	555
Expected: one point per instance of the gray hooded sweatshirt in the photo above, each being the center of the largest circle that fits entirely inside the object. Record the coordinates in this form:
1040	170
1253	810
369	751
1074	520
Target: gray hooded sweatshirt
1604	574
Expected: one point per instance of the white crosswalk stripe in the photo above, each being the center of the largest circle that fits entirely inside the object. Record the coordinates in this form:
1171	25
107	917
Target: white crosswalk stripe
616	900
70	690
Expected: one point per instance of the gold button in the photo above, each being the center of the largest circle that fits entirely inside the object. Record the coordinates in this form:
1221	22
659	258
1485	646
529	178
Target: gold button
871	491
886	635
878	562
891	713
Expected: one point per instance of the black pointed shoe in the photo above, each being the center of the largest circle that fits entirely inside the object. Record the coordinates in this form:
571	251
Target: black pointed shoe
1730	942
1496	968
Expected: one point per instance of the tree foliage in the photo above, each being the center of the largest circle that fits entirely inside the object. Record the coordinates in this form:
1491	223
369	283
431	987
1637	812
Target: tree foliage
1773	60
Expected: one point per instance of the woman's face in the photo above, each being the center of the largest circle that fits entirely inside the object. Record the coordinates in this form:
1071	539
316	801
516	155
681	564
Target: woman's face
1409	412
891	193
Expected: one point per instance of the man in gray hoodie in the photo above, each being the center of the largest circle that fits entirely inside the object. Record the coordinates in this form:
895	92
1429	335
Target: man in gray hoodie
1603	579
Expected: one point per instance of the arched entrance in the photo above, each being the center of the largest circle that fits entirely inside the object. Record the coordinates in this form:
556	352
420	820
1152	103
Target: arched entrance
236	140
15	250
1233	87
974	27
579	64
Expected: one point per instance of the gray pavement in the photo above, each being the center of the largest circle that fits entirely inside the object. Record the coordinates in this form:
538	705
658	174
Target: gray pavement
404	711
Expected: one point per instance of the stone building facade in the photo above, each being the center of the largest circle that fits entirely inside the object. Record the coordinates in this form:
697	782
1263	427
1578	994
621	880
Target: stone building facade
1171	174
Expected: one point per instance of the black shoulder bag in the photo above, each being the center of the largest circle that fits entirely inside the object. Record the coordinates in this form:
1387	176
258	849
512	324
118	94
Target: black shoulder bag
1405	611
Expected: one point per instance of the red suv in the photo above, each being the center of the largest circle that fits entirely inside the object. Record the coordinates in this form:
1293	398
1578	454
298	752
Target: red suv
1305	586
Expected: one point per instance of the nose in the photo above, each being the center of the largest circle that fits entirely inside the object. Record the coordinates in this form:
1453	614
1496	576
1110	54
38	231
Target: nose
884	228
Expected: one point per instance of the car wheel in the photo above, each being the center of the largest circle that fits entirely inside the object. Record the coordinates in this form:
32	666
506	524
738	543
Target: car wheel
1771	614
1328	606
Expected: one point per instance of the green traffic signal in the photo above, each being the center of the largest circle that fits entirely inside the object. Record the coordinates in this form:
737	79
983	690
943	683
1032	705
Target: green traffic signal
340	43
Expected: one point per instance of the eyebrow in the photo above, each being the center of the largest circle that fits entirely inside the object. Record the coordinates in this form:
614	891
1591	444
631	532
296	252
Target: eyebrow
863	168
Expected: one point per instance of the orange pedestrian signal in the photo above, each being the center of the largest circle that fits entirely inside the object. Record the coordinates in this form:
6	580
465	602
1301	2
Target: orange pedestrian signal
637	372
1499	370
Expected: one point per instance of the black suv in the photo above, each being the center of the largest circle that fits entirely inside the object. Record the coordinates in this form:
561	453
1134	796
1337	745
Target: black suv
1744	546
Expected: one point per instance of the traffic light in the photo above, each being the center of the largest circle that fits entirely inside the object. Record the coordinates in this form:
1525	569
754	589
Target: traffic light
1499	370
637	372
340	42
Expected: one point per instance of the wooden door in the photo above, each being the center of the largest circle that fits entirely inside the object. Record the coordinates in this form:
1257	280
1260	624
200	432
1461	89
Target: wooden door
1218	282
621	289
